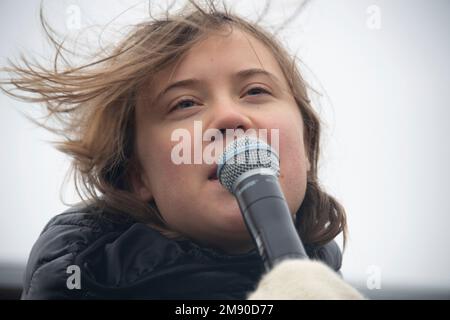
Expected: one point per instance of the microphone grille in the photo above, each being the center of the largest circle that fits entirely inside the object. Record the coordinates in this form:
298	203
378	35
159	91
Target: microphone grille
244	154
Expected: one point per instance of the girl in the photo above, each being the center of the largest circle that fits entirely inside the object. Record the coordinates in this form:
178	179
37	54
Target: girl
147	227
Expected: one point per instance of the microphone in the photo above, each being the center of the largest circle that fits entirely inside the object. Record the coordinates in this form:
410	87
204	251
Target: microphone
249	169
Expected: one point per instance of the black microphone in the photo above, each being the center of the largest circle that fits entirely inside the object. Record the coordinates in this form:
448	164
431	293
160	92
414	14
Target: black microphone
249	169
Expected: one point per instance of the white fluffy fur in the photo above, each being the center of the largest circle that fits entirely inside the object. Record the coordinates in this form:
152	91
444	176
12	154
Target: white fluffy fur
303	280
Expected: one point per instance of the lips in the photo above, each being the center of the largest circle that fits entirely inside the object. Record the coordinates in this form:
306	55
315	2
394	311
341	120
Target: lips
213	173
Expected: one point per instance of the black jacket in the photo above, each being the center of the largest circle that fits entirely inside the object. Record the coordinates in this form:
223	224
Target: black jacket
119	258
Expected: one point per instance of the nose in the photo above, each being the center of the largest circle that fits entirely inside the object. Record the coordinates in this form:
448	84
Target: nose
229	116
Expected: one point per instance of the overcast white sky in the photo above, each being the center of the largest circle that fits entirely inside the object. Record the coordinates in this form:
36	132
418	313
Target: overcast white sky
384	70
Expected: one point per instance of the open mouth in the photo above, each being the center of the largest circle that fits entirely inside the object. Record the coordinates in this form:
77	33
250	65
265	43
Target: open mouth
213	173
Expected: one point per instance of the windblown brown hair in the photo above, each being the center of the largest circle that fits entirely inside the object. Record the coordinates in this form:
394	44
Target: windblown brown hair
93	106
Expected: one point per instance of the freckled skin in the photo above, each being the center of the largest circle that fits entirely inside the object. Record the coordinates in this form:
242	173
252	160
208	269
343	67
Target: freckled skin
189	202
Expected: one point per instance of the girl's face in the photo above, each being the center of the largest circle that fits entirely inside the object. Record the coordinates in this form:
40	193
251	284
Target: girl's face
221	97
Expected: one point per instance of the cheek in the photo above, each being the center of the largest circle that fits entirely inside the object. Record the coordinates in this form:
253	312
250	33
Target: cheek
155	155
154	149
293	161
167	180
293	174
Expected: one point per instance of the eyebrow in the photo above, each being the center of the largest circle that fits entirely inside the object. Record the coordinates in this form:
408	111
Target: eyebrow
196	82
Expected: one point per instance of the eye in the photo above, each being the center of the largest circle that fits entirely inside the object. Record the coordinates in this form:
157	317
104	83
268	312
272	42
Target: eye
257	91
183	104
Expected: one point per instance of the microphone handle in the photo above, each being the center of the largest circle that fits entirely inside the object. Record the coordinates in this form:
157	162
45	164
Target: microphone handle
268	218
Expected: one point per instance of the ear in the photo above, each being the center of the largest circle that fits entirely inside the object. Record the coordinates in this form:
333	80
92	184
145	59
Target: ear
139	184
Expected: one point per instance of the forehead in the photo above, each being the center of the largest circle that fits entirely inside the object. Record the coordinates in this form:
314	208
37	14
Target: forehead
218	57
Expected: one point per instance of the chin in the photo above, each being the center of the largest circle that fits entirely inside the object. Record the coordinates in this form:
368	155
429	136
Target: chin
233	222
232	213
